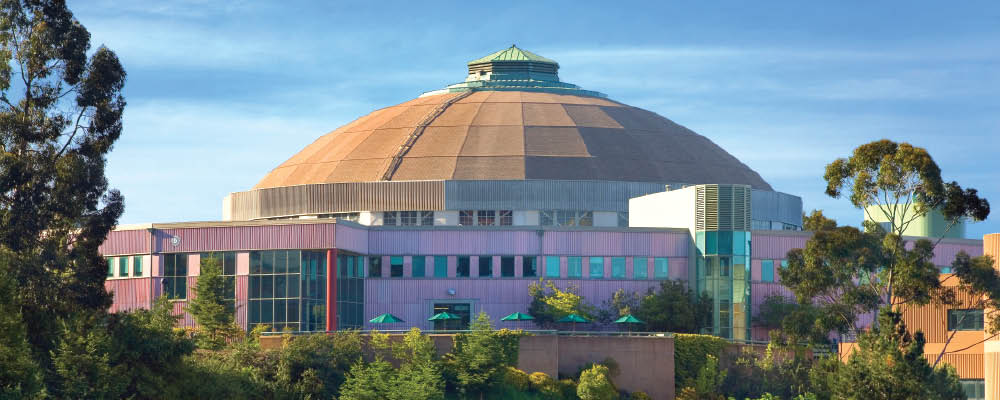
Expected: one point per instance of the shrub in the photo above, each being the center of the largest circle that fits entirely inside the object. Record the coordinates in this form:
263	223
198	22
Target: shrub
545	385
639	396
690	353
567	389
517	379
596	385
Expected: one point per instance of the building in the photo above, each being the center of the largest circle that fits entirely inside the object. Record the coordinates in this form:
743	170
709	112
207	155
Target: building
460	199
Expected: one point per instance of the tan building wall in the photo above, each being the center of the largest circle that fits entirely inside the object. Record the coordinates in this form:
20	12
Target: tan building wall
991	349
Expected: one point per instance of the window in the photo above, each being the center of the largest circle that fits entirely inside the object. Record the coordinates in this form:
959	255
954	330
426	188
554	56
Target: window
227	263
375	267
440	266
965	320
418	266
975	389
596	267
585	218
175	276
136	265
466	217
784	264
725	323
623	219
640	268
767	271
395	267
505	217
661	268
123	267
427	218
575	267
350	216
565	218
485	217
287	288
528	267
552	266
111	267
408	218
463	267
724	267
507	267
485	266
389	218
945	269
546	218
618	267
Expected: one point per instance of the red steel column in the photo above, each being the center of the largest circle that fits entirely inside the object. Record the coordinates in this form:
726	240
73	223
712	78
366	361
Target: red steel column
331	290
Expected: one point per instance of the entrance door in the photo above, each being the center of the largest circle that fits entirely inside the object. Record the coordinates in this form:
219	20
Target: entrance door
463	310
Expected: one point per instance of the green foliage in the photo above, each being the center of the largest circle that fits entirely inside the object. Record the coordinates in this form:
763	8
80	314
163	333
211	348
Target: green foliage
794	322
210	309
317	364
595	384
547	387
549	303
619	305
58	120
517	379
83	365
780	372
889	363
479	359
707	384
20	377
690	354
673	308
816	221
639	396
567	389
368	381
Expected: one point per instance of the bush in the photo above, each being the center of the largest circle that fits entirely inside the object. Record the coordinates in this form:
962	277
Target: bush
596	385
639	396
690	353
545	385
567	389
517	379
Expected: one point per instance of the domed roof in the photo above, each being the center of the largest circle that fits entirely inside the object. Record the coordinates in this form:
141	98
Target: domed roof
512	133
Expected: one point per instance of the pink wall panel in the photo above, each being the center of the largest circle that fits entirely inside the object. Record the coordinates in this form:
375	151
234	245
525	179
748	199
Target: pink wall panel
299	236
678	268
755	270
519	265
775	246
129	294
352	238
762	290
186	321
125	242
242	263
944	253
596	243
242	286
465	242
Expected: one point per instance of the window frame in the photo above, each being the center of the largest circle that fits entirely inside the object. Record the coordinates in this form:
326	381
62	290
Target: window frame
418	266
977	323
137	265
636	268
508	261
574	267
595	273
656	268
440	266
553	271
488	263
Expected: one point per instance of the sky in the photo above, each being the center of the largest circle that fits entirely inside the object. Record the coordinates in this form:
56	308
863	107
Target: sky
219	93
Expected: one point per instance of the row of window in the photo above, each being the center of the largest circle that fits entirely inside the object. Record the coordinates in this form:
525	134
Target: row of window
123	266
408	218
597	268
486	217
565	218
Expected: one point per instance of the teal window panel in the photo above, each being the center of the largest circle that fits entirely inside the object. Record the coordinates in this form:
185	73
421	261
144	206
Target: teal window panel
111	267
640	268
440	266
965	320
574	267
507	267
618	267
596	267
739	243
396	266
784	264
419	266
661	268
552	266
700	241
137	265
123	267
726	242
767	271
711	242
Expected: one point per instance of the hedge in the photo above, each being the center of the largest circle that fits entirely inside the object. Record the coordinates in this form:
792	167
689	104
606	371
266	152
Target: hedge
690	352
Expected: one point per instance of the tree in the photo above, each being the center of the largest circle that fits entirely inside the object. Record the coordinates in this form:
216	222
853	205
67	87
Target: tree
60	114
674	308
210	308
889	364
479	359
419	373
596	385
707	383
549	303
19	373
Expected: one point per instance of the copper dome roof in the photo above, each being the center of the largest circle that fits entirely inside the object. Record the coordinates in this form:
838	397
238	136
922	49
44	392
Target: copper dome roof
512	135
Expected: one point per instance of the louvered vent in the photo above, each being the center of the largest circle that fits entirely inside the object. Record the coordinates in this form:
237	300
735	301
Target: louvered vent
723	207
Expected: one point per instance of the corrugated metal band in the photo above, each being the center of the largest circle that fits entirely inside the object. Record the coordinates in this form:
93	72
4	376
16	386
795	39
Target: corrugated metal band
545	194
338	197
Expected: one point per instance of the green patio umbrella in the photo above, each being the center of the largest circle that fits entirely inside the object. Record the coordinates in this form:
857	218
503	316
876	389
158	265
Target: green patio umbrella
444	316
575	319
386	319
630	320
518	316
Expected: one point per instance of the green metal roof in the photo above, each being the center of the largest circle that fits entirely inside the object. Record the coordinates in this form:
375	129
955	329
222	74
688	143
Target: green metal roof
513	53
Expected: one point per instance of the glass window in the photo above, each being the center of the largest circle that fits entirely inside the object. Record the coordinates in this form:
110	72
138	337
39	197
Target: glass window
784	264
618	267
375	266
565	218
136	265
739	243
485	266
466	217
463	267
699	241
585	218
965	320
408	218
440	266
507	267
389	218
418	269
661	268
975	389
596	267
726	242
623	219
574	267
505	217
711	242
546	217
123	267
111	267
255	263
395	266
767	271
640	268
486	217
552	266
528	267
427	218
175	276
724	266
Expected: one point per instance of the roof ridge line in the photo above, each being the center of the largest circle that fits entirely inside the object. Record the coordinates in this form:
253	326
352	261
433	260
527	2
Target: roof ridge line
417	131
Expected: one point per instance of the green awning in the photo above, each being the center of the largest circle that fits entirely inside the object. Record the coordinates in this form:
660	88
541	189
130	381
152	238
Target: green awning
386	319
518	316
629	319
574	319
444	316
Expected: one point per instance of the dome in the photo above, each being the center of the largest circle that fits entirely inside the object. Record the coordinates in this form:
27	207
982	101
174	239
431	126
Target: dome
512	119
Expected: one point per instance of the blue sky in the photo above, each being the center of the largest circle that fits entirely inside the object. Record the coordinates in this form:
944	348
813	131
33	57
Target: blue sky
219	93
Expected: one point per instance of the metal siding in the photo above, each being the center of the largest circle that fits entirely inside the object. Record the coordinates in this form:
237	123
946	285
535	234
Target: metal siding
759	291
242	283
545	194
129	294
596	243
229	238
968	366
337	197
352	238
933	319
464	242
125	242
944	253
774	246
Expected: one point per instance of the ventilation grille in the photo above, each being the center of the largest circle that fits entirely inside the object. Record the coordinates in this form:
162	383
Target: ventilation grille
722	208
